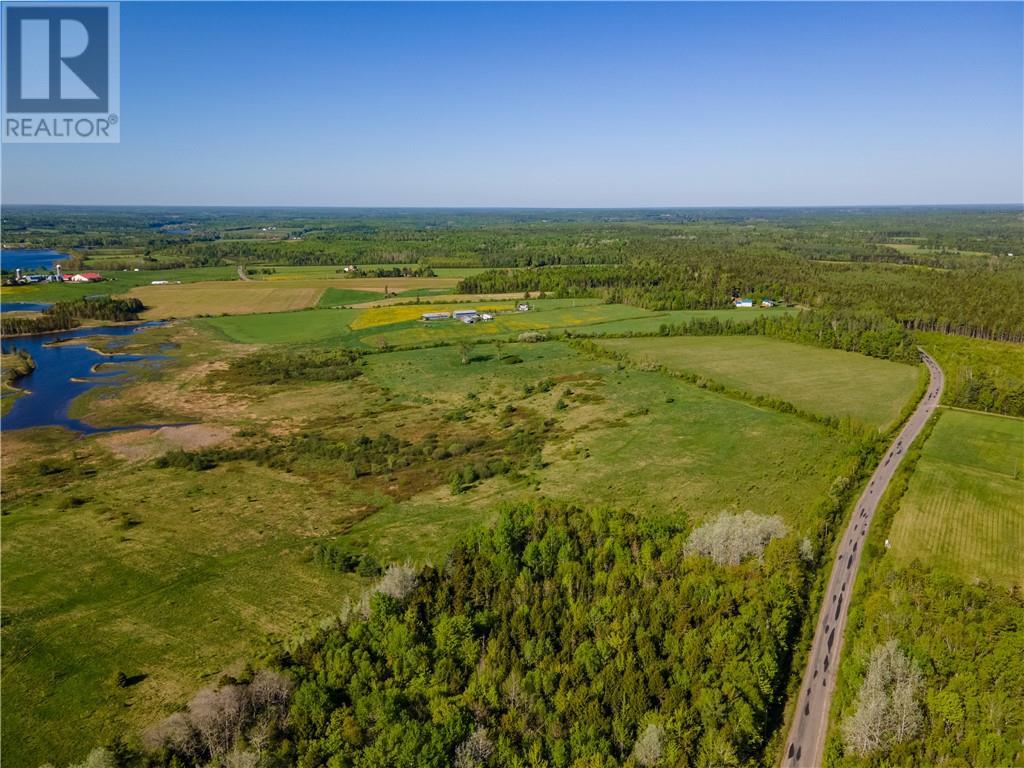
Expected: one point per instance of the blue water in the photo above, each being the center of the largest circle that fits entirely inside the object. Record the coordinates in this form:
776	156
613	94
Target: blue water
50	387
23	306
29	258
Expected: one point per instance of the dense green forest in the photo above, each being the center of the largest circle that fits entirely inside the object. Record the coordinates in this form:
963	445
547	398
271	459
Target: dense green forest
985	303
980	375
600	241
558	637
966	640
69	314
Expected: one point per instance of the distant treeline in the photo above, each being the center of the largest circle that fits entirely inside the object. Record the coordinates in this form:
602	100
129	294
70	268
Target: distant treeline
506	237
562	245
69	314
983	303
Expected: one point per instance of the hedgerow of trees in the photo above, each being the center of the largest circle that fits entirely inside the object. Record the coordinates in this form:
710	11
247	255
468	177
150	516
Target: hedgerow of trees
64	315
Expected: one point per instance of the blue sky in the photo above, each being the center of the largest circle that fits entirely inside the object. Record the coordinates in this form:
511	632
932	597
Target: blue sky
553	105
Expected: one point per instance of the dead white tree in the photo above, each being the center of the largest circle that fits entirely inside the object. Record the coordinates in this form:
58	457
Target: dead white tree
475	750
648	750
218	715
398	581
887	710
730	539
217	719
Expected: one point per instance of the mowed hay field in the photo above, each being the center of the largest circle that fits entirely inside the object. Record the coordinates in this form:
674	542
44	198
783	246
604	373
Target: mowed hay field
312	326
963	510
224	298
241	297
823	381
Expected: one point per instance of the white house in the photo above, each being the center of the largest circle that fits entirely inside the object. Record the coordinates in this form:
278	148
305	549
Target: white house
743	303
522	308
767	303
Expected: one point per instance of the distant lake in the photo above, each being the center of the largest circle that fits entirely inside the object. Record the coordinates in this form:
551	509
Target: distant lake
29	258
23	306
50	388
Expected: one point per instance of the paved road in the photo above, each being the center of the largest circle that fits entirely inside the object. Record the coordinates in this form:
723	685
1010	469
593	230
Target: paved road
805	744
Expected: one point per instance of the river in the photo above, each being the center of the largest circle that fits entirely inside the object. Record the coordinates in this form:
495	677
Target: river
65	371
23	306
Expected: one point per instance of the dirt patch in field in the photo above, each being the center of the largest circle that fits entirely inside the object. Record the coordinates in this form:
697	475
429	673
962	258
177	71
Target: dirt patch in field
141	445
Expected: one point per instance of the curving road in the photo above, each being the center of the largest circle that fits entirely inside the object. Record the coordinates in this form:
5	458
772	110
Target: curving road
805	744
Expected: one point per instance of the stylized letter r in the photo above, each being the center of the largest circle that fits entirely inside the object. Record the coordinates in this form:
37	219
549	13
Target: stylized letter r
36	59
74	39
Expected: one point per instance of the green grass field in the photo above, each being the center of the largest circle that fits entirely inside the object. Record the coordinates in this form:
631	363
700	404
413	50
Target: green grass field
335	325
399	325
339	297
306	327
822	381
689	452
964	508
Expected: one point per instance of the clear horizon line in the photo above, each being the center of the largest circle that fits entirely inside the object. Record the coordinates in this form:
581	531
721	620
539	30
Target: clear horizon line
657	207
